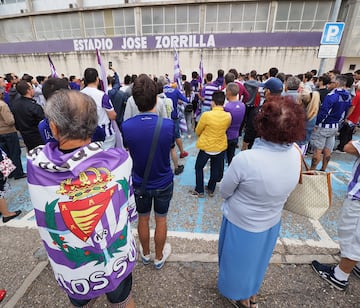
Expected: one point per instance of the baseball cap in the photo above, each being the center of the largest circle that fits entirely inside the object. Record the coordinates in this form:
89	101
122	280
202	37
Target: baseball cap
273	84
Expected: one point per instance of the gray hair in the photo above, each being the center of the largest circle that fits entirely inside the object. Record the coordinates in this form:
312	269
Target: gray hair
232	88
73	113
341	80
162	80
293	83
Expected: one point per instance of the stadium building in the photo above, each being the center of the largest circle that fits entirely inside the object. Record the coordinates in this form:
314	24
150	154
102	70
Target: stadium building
141	35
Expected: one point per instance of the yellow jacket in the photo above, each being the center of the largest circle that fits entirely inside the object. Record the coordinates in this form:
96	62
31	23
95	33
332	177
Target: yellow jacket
211	130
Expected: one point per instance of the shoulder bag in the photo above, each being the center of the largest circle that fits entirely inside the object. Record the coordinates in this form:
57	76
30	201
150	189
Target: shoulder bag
312	195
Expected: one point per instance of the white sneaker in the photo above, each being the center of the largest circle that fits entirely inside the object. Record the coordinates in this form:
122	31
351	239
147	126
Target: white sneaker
166	253
145	259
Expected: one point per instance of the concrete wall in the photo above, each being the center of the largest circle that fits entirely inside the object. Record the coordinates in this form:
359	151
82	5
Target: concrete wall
159	62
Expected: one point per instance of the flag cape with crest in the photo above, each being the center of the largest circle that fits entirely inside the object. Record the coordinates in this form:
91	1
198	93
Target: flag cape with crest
84	203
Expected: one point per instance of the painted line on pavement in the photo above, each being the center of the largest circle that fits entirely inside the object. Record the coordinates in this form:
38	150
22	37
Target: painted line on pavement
26	284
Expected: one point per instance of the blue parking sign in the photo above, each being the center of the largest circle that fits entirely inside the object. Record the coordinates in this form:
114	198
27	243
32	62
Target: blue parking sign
332	33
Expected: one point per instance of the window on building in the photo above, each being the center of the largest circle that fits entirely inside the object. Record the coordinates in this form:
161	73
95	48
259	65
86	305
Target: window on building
11	1
59	26
236	17
170	20
94	24
302	15
17	30
124	22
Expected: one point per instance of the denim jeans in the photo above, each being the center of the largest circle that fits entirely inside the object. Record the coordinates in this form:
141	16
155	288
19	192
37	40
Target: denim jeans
161	197
216	164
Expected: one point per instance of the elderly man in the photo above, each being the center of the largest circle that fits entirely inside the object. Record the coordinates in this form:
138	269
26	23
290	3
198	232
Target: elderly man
292	85
84	203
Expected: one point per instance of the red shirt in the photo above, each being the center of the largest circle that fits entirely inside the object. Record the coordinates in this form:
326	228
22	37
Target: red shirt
355	115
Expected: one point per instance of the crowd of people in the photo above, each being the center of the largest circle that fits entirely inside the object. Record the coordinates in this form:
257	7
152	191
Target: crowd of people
99	160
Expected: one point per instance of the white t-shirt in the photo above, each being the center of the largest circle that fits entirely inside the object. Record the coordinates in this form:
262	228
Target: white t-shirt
103	104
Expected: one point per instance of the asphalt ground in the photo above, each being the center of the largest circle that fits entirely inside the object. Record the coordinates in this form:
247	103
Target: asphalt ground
189	278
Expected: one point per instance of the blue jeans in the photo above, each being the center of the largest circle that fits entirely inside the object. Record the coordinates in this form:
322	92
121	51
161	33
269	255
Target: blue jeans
161	197
216	170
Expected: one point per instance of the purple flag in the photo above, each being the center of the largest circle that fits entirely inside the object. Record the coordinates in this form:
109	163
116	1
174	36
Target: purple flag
52	68
201	72
103	76
177	73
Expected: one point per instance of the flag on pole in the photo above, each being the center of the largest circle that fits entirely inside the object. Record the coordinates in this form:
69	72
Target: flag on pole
102	75
177	73
201	72
52	68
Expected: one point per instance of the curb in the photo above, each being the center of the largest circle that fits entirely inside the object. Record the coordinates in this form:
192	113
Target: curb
275	259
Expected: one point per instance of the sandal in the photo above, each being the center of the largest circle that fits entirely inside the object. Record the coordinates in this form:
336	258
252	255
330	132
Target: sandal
237	304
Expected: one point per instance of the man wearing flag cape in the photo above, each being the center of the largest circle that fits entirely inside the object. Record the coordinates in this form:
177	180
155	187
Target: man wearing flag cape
84	203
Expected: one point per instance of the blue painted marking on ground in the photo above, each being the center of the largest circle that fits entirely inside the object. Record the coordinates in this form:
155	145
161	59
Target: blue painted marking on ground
190	214
200	214
187	178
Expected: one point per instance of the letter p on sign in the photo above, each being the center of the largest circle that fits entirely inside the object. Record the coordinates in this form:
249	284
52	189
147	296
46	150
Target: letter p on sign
332	33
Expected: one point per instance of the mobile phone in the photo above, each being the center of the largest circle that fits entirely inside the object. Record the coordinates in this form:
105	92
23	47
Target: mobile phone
110	65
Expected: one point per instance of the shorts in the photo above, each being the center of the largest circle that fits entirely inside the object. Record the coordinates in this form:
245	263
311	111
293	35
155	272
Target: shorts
120	295
349	230
323	138
161	197
177	128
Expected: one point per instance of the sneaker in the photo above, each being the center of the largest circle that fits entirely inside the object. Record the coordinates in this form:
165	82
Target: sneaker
327	273
179	169
145	259
166	253
193	192
184	154
356	271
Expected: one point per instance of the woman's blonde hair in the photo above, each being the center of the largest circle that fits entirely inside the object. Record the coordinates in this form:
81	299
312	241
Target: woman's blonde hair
311	102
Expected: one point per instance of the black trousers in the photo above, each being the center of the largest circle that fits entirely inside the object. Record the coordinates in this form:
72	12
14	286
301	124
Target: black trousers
10	145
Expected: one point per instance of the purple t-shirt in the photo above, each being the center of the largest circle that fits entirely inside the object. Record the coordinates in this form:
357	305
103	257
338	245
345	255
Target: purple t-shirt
237	111
138	134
